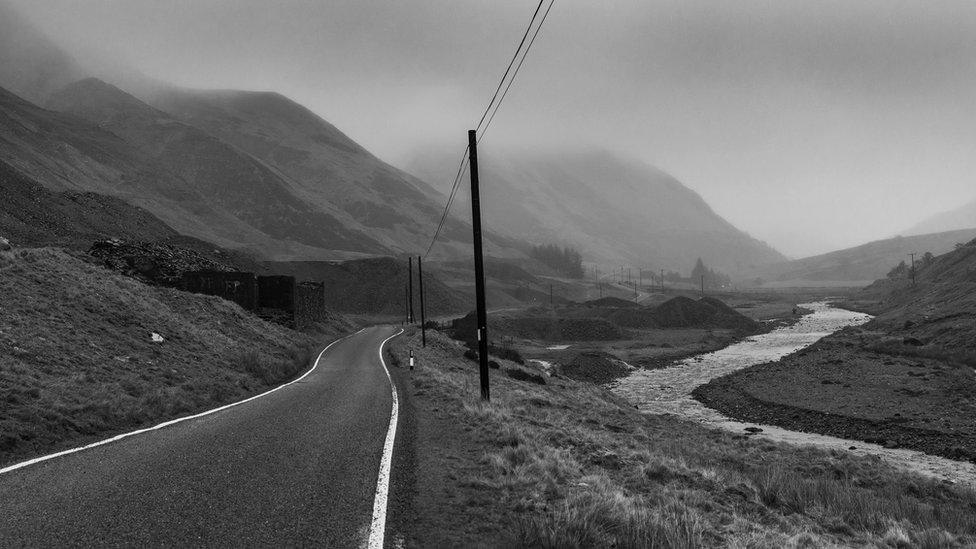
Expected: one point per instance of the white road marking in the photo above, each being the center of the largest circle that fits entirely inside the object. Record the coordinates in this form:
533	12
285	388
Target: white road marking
377	529
116	438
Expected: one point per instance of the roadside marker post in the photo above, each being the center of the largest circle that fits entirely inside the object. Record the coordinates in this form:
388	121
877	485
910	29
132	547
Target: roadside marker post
411	359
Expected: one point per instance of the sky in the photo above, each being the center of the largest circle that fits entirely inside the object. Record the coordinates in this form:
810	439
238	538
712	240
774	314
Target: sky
813	125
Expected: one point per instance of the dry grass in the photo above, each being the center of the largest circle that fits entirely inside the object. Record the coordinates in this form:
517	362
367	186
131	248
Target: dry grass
569	465
77	361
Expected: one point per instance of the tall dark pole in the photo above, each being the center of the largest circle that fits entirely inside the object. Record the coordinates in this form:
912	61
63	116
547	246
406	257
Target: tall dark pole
423	312
410	288
479	265
913	268
703	285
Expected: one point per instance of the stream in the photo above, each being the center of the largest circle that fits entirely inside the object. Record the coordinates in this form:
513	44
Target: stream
668	391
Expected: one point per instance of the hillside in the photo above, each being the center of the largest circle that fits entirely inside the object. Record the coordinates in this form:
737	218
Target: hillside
614	210
963	217
862	264
32	215
65	153
226	178
77	359
939	310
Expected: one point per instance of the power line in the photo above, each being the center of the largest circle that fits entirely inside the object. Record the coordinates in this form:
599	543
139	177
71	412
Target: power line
510	63
492	107
519	66
450	200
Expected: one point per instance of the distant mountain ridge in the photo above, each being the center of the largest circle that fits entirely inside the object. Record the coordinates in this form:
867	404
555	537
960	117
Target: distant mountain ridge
963	217
865	263
615	210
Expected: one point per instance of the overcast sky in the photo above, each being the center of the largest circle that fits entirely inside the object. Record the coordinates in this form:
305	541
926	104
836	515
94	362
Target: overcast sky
812	125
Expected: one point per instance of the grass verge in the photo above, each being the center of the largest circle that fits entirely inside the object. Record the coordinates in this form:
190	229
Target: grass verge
567	464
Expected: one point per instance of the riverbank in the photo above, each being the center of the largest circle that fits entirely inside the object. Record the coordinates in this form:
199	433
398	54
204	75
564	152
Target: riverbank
568	464
839	387
604	362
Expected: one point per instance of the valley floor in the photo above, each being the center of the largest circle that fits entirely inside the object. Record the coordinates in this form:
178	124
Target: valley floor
857	384
567	464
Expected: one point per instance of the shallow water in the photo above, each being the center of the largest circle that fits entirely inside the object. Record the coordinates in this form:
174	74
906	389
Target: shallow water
668	391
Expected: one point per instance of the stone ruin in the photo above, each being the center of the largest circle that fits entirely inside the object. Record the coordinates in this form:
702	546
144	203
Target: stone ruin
280	299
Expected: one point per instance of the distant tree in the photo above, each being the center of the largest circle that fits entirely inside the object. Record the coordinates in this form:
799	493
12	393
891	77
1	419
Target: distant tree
712	278
899	271
927	259
563	260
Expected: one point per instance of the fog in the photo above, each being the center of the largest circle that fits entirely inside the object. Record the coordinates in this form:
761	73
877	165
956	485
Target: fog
812	125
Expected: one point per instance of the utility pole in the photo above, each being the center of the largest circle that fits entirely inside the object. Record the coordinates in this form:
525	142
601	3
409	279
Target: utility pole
410	318
406	304
703	285
423	312
479	265
913	267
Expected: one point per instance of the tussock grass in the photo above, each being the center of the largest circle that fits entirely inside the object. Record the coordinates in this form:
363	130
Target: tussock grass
570	465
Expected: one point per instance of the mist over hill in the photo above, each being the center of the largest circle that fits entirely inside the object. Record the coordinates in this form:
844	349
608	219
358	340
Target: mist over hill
963	217
613	209
31	65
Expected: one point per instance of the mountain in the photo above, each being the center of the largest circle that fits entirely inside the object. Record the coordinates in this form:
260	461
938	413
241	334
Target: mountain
31	65
63	152
225	177
963	217
324	166
861	264
613	210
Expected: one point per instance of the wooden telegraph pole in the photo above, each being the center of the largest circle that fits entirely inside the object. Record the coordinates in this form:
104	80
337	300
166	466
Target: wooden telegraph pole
410	319
913	267
479	265
423	312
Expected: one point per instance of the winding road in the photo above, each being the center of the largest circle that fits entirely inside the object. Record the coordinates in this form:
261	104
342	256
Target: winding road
295	467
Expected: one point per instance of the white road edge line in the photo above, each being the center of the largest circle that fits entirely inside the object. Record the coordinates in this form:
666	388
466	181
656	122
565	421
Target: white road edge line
377	530
116	438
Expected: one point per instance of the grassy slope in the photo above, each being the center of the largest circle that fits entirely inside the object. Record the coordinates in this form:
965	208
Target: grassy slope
569	465
77	362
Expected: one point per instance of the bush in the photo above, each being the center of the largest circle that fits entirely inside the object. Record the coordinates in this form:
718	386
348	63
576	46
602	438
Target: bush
506	353
522	375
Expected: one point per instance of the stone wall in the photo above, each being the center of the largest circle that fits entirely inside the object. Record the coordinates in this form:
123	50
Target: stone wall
277	299
241	288
309	304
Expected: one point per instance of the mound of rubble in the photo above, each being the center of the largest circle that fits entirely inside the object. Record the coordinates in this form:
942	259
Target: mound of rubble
152	262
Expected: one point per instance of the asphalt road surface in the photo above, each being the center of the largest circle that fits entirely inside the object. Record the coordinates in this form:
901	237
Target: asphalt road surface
297	467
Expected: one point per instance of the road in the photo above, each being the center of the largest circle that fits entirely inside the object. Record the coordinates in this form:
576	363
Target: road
297	467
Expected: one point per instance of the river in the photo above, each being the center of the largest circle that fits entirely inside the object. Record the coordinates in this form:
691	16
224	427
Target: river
668	391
